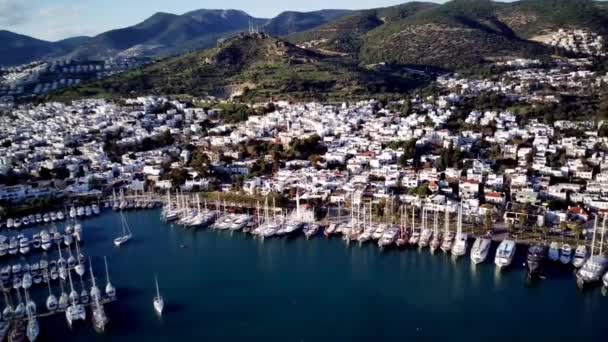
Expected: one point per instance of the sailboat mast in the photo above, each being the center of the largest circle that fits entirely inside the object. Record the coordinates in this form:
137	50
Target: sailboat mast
602	236
447	219
105	261
594	232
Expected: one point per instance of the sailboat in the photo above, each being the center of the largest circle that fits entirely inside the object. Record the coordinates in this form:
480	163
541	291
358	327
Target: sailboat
63	298
436	240
415	237
427	233
33	329
51	300
100	320
126	232
75	311
595	267
8	311
79	268
460	244
110	290
159	302
448	236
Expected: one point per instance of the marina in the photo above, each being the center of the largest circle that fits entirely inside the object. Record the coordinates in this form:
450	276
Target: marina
261	277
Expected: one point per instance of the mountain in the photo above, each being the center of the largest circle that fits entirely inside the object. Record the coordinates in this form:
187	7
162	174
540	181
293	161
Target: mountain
254	67
345	34
460	34
165	33
16	48
291	22
69	44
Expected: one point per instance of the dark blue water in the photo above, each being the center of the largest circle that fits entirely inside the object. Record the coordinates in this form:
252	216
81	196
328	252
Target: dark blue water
231	287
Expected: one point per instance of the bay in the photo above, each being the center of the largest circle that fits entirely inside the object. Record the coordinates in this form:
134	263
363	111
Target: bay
220	286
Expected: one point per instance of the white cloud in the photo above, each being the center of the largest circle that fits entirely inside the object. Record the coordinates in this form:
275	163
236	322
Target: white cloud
13	12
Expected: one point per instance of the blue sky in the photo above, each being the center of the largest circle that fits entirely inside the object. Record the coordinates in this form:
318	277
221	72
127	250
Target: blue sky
58	19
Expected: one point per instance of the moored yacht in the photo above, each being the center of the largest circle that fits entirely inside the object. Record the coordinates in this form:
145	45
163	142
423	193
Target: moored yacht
311	230
554	251
480	249
3	245
595	267
426	233
13	245
505	253
536	255
592	271
24	245
565	254
581	254
436	240
388	238
459	248
45	239
448	241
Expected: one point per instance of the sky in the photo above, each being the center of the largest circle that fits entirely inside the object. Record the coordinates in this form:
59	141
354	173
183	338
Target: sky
58	19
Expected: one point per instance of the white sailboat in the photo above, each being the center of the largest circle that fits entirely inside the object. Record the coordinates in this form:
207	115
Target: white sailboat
51	300
460	243
33	329
110	290
100	320
448	236
75	311
126	232
159	302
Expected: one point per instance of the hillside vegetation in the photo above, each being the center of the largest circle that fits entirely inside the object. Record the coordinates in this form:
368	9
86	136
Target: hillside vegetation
252	67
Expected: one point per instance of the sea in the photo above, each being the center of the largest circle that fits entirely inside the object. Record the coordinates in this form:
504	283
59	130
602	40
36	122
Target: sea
223	286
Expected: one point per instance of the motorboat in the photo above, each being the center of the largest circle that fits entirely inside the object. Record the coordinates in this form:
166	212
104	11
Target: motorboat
4	247
565	254
378	232
581	254
592	271
311	230
480	249
554	251
24	245
13	245
536	255
389	237
505	253
36	241
45	240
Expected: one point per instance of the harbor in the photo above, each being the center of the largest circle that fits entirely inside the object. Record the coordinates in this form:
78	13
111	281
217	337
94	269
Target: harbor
277	289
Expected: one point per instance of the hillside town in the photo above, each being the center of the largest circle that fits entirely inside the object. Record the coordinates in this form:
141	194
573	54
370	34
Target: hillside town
577	41
39	78
437	149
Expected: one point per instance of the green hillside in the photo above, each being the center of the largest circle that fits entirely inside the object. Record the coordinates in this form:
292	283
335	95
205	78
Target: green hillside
252	67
